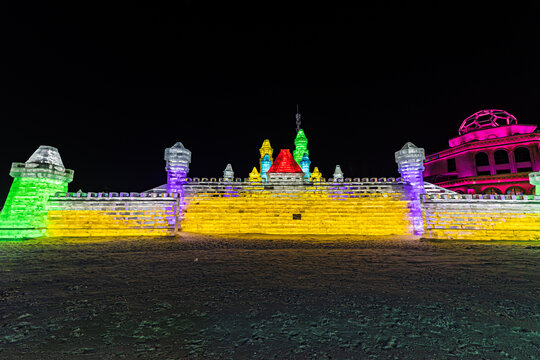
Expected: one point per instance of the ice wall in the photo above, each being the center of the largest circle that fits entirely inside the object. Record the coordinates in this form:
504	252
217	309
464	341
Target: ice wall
481	217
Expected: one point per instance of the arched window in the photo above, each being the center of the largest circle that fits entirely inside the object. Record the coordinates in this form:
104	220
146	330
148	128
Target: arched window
522	154
501	157
460	191
515	190
491	191
481	159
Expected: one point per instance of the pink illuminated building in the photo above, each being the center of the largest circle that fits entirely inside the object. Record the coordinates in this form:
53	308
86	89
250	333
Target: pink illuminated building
493	154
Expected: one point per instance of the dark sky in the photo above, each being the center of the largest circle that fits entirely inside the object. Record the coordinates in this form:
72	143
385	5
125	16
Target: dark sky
111	86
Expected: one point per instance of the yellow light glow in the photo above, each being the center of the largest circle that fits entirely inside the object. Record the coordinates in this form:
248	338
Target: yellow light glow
304	212
316	175
254	175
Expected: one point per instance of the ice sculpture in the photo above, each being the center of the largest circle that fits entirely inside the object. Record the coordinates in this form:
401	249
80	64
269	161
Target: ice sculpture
228	173
266	163
254	175
266	149
300	143
534	179
304	164
178	159
285	168
410	160
25	210
338	174
316	175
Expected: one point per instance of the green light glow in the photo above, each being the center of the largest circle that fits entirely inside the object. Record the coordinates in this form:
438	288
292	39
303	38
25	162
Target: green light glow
25	211
300	143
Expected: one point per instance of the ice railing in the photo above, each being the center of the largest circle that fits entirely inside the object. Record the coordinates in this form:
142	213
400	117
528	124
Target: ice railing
115	195
480	197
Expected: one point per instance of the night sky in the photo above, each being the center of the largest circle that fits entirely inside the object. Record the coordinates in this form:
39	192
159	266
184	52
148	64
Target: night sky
111	86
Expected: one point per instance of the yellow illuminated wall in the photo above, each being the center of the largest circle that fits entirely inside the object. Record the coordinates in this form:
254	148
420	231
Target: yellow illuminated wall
120	217
464	218
299	212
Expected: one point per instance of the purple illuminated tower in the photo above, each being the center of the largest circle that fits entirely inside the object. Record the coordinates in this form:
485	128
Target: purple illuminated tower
178	159
410	160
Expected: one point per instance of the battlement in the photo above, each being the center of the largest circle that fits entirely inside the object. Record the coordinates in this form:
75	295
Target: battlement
112	196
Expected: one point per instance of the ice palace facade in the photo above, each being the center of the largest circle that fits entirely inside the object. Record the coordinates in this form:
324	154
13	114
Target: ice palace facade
281	196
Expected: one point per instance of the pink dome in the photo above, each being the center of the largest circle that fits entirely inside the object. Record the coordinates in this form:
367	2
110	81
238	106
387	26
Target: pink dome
484	119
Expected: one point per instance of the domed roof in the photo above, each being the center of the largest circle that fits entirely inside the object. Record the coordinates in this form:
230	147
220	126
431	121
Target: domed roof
484	119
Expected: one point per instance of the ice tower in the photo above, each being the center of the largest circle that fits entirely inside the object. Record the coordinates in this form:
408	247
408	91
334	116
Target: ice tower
25	211
266	149
300	143
316	175
304	164
338	174
228	173
254	175
178	159
410	160
265	166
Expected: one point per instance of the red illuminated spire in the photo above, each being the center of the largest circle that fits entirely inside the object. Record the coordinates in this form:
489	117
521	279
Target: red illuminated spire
285	163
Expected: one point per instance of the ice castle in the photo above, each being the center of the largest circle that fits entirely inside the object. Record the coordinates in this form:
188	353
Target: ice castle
282	195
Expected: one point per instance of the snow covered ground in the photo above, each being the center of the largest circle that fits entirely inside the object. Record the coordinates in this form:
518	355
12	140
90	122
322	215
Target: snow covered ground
264	297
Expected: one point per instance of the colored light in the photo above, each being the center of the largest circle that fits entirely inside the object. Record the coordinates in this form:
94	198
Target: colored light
304	164
410	160
24	214
285	163
254	175
177	160
300	143
266	149
486	119
266	163
315	210
316	175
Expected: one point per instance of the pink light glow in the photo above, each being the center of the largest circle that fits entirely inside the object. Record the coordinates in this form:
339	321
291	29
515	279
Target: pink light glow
492	133
521	140
486	119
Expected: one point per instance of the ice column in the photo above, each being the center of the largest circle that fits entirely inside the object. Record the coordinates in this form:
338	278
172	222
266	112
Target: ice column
25	211
534	179
338	174
410	160
266	163
304	164
178	159
228	173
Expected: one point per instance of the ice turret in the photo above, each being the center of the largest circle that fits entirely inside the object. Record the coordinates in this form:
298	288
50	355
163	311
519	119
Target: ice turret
300	143
254	175
534	179
228	173
178	159
316	175
304	164
285	168
338	174
43	175
266	149
266	163
410	160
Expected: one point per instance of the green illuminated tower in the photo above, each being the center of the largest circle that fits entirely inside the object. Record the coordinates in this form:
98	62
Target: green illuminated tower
24	214
300	143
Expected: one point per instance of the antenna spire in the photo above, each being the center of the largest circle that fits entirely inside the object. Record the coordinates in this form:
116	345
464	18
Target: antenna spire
298	119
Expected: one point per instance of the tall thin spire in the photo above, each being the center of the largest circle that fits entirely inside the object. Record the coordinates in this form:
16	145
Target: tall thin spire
298	119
